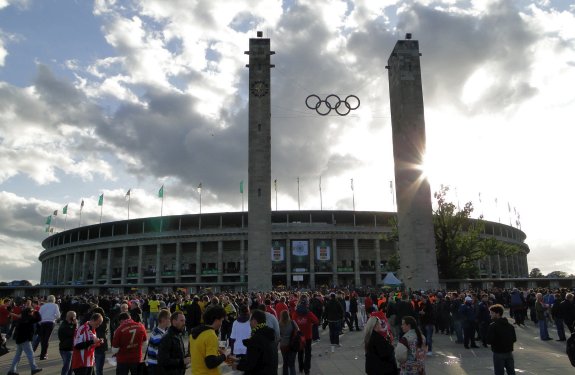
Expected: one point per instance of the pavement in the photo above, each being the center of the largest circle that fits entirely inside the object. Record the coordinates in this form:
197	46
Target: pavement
532	356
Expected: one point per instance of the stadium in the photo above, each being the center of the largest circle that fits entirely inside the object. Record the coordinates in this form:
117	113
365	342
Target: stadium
209	250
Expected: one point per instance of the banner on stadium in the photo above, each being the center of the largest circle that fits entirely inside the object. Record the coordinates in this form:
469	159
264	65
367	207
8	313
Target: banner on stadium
278	252
300	248
323	251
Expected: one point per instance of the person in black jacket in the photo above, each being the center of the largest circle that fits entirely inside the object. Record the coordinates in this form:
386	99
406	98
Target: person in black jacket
567	311
333	314
23	337
501	336
172	357
193	314
379	351
262	355
66	338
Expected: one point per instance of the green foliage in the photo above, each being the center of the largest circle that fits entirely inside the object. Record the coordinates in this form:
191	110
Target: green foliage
535	272
560	274
393	263
459	241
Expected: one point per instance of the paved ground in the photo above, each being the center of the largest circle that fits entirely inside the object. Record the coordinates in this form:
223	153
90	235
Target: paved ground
532	356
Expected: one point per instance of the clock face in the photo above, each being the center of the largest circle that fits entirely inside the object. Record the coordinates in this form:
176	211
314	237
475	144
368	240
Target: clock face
259	88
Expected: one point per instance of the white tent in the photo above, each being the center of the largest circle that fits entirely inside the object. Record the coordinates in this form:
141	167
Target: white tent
391	280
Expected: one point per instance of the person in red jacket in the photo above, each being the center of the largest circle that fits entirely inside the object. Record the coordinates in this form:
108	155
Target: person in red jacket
85	344
305	320
281	306
127	343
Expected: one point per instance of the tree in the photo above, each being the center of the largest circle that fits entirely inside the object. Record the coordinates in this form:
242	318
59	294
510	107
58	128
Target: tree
459	241
560	274
535	272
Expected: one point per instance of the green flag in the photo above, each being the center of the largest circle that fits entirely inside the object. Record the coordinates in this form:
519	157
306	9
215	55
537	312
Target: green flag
242	186
101	200
65	210
49	220
161	192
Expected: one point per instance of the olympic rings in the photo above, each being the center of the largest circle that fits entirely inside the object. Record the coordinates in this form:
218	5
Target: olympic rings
332	102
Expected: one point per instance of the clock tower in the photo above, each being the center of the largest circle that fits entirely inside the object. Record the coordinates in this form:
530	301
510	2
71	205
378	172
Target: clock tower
259	169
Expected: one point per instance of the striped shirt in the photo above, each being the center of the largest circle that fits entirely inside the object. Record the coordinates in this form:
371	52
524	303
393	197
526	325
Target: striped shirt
85	342
153	345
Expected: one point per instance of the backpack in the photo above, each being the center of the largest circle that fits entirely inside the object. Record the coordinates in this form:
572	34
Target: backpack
571	349
297	339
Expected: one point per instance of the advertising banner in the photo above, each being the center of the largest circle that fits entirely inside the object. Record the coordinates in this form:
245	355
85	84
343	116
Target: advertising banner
278	252
300	248
323	251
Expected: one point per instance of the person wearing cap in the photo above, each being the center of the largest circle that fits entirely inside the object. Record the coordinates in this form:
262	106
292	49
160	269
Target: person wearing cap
469	316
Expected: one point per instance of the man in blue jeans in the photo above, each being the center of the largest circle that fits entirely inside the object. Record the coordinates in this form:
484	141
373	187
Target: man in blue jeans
66	338
501	336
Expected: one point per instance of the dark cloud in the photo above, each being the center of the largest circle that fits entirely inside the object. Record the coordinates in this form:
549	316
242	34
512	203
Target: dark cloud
455	45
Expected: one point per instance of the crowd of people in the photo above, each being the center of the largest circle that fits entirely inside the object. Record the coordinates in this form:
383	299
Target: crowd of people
168	333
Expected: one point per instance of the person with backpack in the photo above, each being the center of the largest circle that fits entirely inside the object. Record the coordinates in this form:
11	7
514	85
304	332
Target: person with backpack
501	336
287	331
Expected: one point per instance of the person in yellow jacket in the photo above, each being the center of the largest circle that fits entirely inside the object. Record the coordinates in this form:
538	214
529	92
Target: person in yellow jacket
205	353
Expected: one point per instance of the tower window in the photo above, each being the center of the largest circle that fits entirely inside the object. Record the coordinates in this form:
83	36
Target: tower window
259	127
259	192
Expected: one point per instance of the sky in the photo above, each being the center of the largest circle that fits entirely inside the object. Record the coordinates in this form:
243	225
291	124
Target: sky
108	96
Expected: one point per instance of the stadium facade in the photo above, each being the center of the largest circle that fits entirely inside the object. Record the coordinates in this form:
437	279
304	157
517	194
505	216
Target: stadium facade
308	248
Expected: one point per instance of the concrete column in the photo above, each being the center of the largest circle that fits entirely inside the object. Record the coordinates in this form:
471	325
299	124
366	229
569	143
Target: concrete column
43	271
75	267
334	262
356	262
220	261
179	260
58	272
507	266
377	247
109	267
158	263
85	267
96	267
499	265
489	265
65	278
242	259
124	272
288	262
312	264
140	264
199	262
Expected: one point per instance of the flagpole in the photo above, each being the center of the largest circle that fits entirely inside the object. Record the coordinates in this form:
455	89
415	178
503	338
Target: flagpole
392	194
101	208
352	195
129	195
298	205
276	189
200	191
65	219
320	197
81	207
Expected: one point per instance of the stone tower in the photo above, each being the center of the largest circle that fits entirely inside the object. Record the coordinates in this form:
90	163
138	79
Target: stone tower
259	169
414	212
